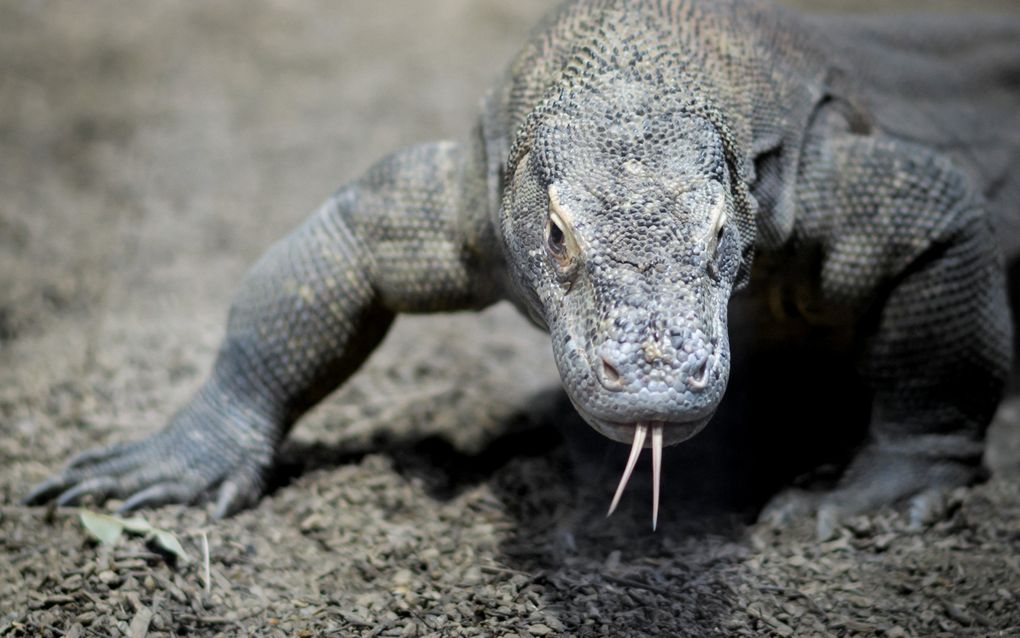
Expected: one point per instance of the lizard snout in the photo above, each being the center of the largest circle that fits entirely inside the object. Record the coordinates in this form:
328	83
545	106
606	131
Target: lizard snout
686	359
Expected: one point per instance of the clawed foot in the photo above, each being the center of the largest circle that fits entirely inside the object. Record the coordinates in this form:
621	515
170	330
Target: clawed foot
878	477
196	454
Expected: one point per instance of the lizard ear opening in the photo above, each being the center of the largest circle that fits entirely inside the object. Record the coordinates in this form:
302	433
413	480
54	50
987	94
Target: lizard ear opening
773	191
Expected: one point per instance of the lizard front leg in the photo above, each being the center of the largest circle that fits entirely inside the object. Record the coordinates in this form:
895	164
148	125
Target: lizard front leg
405	237
909	254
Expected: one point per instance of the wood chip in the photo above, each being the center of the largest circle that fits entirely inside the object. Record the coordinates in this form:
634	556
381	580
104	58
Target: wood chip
140	623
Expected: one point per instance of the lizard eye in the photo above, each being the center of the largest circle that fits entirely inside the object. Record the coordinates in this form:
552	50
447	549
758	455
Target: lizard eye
718	228
555	240
559	242
713	268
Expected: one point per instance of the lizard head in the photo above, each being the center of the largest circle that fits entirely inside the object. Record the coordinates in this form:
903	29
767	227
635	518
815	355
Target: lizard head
622	225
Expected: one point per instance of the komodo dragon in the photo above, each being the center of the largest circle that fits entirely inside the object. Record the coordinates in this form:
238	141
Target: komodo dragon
641	162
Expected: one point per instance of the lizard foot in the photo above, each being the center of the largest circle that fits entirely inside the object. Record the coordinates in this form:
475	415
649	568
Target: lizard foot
879	476
199	451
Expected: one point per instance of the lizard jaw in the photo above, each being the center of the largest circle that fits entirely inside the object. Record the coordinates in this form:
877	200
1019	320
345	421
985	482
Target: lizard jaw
673	432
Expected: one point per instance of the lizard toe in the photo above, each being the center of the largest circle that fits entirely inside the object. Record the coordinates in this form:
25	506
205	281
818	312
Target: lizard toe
46	490
97	476
928	507
921	483
160	494
100	455
99	488
238	491
851	500
787	506
829	520
876	478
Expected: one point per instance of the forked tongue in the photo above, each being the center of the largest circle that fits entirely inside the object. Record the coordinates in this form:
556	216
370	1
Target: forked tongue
640	433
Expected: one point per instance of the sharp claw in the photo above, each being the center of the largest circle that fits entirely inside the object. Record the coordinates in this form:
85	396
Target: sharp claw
640	431
926	508
656	471
46	490
97	455
155	495
100	487
829	520
225	500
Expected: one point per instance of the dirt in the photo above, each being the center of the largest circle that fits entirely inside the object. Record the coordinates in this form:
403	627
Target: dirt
148	153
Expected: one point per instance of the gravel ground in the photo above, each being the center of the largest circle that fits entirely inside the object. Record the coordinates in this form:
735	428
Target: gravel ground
148	153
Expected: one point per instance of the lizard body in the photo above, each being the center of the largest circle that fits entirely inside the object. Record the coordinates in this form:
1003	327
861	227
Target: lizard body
639	165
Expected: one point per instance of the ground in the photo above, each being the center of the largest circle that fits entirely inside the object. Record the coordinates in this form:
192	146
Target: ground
149	152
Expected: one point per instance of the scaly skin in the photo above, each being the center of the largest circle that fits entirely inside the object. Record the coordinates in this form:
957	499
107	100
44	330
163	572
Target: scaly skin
622	179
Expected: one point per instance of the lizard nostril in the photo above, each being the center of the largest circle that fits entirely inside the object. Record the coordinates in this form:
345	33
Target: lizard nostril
610	375
699	376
